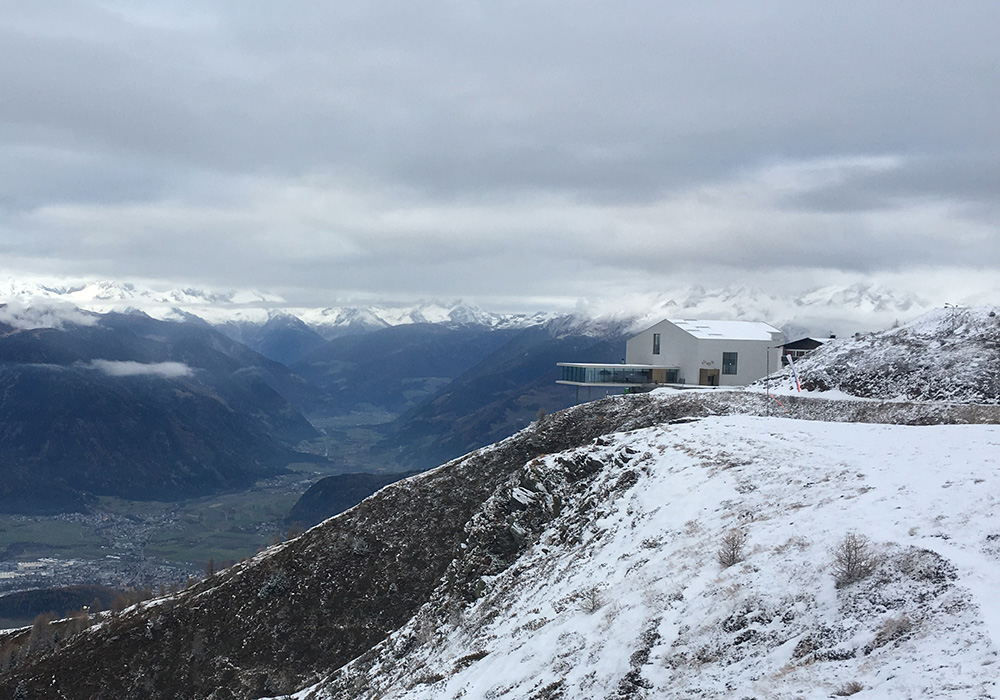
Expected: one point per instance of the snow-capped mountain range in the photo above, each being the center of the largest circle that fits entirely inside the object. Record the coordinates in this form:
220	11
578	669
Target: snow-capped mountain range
250	307
821	311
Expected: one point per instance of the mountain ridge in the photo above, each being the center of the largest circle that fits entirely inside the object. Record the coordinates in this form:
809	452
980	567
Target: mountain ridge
129	406
293	615
841	309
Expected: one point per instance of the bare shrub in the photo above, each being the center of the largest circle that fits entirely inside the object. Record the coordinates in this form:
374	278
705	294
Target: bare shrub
79	620
854	558
893	628
427	679
849	689
553	691
470	659
592	600
731	550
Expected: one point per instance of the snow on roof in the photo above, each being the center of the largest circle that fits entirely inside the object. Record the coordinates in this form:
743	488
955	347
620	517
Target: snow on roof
728	330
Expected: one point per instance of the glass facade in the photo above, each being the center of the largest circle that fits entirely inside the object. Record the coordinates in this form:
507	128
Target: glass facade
616	375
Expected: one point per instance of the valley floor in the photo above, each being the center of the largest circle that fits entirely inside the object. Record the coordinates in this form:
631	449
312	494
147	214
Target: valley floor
138	544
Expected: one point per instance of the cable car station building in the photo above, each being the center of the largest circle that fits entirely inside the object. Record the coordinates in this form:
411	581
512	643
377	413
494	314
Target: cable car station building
686	353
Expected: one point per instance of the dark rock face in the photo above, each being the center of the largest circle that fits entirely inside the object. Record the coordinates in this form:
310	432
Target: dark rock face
335	494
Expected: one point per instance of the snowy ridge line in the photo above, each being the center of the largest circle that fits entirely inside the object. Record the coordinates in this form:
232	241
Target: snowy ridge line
604	583
820	406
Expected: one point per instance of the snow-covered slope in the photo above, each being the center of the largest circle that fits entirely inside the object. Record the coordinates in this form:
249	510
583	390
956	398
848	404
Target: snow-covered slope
618	591
579	559
950	354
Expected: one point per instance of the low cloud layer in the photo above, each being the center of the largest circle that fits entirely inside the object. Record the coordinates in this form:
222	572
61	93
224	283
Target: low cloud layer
517	151
117	368
26	314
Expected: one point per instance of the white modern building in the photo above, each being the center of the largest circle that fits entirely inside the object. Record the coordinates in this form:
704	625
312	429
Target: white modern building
684	353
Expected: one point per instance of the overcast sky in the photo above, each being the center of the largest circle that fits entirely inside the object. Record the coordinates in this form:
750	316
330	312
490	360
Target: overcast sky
511	153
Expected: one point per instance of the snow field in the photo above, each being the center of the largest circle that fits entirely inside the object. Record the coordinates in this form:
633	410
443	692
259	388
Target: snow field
623	595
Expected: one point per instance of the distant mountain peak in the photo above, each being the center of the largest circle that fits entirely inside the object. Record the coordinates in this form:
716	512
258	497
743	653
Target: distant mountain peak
581	325
870	296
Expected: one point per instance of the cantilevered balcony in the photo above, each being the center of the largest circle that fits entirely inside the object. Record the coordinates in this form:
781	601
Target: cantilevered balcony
592	374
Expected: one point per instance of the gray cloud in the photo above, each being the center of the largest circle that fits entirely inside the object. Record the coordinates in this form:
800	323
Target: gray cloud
961	178
495	149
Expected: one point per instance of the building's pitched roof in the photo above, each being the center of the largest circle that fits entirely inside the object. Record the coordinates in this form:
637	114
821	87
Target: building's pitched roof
725	330
807	343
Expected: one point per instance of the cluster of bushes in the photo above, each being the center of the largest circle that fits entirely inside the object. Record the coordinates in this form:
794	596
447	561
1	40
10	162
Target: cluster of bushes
854	557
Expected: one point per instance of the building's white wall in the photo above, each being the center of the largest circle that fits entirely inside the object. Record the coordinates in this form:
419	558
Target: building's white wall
676	346
751	364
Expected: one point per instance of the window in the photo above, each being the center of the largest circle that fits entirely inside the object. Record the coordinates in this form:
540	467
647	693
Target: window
656	343
729	362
